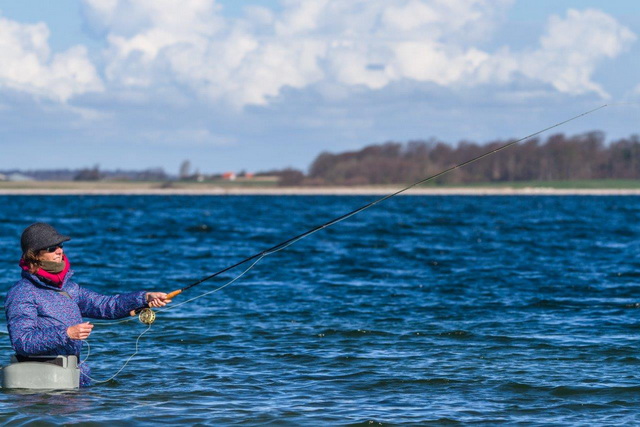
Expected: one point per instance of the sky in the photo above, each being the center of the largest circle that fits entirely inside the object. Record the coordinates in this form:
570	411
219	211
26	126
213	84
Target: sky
255	85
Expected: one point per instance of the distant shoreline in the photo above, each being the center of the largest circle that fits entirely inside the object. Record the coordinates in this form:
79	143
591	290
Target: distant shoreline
98	189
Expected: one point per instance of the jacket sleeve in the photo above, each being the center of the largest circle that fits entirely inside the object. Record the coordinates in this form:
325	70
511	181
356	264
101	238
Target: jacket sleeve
29	339
98	306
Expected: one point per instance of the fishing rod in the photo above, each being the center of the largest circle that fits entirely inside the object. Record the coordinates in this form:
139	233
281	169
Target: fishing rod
300	236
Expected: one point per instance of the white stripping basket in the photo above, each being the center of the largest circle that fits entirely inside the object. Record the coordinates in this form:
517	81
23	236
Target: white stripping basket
42	372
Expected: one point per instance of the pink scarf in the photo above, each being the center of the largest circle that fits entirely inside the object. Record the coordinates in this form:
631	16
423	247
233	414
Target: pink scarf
56	279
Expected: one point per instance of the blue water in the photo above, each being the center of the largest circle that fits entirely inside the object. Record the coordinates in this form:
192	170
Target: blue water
421	310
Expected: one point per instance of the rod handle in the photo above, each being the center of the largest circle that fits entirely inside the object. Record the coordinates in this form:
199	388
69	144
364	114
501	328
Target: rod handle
170	295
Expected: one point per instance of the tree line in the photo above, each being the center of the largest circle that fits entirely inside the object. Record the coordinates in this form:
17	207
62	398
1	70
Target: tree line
559	157
580	157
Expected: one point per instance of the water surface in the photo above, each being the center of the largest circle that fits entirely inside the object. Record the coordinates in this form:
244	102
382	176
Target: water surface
422	310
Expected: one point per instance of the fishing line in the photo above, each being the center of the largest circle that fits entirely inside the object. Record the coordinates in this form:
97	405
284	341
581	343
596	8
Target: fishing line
123	366
287	243
283	245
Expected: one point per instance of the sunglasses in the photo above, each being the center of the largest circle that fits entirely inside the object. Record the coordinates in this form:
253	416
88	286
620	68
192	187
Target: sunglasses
51	249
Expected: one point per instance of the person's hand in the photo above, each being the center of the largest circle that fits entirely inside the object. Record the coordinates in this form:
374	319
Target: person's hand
80	331
157	299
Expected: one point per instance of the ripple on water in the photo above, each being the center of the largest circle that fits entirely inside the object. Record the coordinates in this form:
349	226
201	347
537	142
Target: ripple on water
426	310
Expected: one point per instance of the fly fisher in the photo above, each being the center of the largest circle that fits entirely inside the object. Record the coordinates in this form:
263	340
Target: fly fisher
45	310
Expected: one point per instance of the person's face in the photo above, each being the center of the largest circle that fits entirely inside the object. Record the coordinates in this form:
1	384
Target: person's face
55	255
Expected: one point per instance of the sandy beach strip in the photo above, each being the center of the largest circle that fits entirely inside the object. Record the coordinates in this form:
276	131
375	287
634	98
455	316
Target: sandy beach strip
144	190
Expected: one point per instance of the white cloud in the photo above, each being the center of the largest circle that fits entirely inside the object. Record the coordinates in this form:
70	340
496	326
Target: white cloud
566	58
410	16
28	65
453	20
131	17
572	47
432	62
250	60
302	17
191	45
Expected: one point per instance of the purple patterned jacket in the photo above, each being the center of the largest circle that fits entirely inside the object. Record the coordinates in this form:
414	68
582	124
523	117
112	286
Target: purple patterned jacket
38	315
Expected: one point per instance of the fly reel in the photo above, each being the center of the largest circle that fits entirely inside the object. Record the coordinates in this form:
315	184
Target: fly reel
147	316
